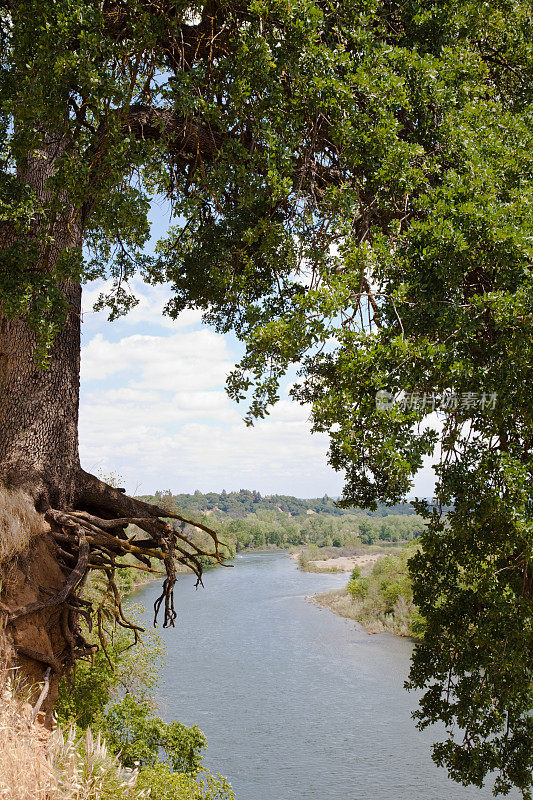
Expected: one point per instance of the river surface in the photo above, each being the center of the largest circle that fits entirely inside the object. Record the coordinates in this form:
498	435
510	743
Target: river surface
296	702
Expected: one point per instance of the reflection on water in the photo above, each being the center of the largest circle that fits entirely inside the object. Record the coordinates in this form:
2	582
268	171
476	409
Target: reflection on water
296	703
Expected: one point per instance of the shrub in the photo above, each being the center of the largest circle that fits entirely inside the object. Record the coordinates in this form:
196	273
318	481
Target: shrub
383	600
358	587
166	785
139	736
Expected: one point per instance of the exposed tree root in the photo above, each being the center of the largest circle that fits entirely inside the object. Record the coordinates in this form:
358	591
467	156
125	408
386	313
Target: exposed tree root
92	535
43	658
74	579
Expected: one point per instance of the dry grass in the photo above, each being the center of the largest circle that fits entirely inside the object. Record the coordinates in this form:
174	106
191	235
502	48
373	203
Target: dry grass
19	522
25	772
36	764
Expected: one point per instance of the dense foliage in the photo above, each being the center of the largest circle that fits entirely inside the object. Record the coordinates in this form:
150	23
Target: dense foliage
245	519
380	596
271	529
352	183
384	596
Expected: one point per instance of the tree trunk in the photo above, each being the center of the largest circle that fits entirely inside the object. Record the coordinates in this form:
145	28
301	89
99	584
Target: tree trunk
39	407
39	465
39	410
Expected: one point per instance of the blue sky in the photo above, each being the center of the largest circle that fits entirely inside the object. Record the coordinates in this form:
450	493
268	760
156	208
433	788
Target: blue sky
154	411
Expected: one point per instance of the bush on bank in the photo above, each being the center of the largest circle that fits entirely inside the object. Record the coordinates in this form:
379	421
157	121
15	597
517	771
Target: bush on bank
380	599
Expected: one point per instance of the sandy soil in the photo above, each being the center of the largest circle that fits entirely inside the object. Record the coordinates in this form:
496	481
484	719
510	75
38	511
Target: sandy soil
344	563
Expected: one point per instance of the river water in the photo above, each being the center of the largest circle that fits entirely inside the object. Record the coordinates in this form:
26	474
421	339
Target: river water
296	702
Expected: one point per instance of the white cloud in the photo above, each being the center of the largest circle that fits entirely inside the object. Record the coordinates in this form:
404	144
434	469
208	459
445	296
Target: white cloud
185	361
154	411
277	455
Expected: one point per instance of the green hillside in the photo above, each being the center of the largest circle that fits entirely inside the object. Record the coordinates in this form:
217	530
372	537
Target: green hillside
245	519
238	505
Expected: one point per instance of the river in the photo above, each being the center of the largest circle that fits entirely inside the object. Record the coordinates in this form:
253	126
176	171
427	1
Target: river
296	702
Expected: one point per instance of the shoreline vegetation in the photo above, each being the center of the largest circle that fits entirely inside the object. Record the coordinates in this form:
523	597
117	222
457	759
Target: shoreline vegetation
246	520
378	595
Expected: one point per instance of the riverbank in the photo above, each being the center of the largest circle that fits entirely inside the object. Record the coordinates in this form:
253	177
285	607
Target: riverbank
380	598
398	621
339	564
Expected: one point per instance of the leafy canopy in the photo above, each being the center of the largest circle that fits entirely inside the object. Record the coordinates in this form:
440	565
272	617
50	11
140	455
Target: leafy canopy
352	189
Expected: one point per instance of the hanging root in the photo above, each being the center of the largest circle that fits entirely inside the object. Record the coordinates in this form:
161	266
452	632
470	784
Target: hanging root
105	540
92	535
103	516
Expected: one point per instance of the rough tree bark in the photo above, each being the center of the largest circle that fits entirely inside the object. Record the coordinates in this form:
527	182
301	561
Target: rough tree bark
39	409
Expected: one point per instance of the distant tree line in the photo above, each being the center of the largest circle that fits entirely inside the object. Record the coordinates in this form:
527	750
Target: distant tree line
268	528
245	519
239	504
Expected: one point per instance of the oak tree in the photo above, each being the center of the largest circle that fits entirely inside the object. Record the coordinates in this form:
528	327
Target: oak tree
351	183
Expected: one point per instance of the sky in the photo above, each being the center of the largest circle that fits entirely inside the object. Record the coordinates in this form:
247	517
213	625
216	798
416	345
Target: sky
154	412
